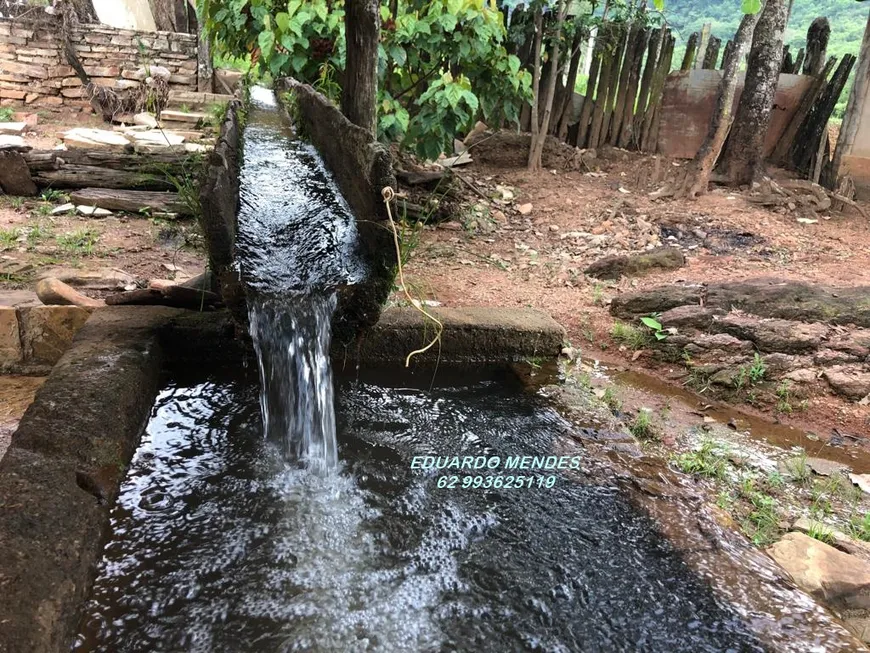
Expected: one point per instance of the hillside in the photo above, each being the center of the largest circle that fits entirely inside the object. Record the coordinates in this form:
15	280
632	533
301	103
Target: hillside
847	18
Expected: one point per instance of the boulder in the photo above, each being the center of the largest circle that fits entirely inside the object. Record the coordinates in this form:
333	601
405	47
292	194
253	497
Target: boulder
841	580
614	267
765	297
852	381
692	316
773	335
54	292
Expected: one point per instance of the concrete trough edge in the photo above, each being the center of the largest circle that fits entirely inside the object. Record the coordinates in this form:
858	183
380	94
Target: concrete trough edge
64	467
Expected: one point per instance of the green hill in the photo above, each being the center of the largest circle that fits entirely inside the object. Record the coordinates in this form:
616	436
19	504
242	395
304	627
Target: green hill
847	17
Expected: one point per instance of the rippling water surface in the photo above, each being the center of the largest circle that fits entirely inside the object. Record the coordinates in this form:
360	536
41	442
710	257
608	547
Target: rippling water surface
217	544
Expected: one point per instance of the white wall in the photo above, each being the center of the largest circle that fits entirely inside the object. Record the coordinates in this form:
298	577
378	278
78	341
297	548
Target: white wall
125	14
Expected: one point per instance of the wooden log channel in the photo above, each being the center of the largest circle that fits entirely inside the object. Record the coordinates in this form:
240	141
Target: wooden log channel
82	168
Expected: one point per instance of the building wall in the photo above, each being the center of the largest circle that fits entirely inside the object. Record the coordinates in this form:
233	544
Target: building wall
125	14
34	70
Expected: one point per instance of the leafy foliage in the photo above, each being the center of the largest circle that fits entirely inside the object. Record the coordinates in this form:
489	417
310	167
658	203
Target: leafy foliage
442	63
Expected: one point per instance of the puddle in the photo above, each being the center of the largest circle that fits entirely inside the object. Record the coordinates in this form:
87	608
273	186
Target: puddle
778	435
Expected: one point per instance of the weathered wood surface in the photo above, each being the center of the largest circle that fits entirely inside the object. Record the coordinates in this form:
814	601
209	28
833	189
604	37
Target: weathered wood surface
781	153
82	168
131	201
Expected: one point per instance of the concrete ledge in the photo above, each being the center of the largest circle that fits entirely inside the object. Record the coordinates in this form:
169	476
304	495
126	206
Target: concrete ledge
470	334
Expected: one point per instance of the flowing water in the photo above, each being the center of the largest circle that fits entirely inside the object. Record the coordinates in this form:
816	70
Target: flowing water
218	544
295	246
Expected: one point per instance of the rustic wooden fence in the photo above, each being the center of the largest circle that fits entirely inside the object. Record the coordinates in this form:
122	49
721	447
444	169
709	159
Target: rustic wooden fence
630	65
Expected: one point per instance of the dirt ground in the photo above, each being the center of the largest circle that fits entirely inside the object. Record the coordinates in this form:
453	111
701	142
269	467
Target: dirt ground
531	249
33	241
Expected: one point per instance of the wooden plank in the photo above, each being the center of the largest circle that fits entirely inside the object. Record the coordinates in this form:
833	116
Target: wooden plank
711	55
691	50
703	42
606	35
657	116
640	44
131	201
629	64
815	125
42	160
781	152
615	74
586	112
78	176
662	69
652	58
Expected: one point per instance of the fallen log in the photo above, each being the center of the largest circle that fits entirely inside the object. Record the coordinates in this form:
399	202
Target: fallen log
131	201
80	168
71	176
54	292
175	296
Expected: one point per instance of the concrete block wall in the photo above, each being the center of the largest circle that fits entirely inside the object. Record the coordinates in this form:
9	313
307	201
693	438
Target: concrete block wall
34	70
33	338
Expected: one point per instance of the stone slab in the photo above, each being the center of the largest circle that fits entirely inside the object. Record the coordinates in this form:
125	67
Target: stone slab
15	175
48	331
470	334
10	338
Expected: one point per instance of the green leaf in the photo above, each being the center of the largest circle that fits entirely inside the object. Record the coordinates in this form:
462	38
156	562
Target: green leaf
655	325
398	55
293	7
453	93
266	41
659	4
298	62
277	62
282	20
750	6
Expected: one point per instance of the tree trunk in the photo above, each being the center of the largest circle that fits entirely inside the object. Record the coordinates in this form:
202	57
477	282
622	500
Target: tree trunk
536	85
856	106
744	153
698	176
711	54
85	11
538	140
628	119
360	89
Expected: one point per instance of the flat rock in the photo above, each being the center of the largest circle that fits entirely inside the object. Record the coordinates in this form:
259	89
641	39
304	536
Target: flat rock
824	467
862	481
145	119
16	128
47	331
93	211
692	316
15	175
95	138
765	297
53	292
63	208
773	335
524	209
13	143
841	580
183	116
851	381
615	267
157	137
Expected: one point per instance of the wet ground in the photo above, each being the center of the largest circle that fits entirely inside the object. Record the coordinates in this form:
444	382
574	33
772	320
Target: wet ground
217	544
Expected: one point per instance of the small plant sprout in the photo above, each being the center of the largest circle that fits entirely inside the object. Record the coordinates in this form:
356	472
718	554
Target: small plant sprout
758	370
628	335
710	459
821	533
6	114
798	469
651	322
642	427
859	527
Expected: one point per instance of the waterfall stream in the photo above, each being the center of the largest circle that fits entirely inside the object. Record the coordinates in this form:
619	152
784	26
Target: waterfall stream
292	338
296	244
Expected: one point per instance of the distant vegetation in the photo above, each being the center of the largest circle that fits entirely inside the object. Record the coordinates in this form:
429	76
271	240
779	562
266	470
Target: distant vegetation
847	18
